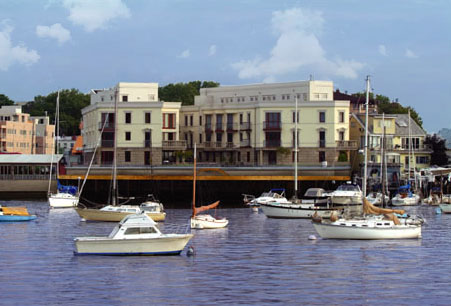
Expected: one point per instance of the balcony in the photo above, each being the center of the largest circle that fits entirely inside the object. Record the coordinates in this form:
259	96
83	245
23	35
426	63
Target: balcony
274	143
232	127
174	144
231	145
245	126
272	125
219	127
346	144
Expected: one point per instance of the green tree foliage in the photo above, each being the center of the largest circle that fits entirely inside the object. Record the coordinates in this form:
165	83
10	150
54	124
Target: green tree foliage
384	105
438	146
4	100
72	101
183	92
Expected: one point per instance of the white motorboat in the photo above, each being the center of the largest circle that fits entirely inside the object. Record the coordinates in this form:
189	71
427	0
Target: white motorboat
115	213
275	194
446	208
375	198
136	234
347	194
314	201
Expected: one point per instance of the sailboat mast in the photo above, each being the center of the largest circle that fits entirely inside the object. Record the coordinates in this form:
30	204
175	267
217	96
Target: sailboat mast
296	118
365	152
114	191
194	181
410	148
383	161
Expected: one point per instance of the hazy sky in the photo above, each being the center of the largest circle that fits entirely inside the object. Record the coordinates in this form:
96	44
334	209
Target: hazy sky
403	45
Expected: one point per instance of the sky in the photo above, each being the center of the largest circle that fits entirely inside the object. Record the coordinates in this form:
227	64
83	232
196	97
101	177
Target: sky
404	46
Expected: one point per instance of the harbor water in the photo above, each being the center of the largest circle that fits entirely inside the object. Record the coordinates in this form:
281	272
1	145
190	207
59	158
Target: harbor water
255	261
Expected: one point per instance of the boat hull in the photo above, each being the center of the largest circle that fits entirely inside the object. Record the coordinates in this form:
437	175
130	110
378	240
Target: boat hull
346	200
168	245
62	200
446	208
293	211
407	201
13	218
91	214
200	223
329	231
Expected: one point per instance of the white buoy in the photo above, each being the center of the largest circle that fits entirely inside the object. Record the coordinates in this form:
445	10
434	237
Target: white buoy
312	237
254	208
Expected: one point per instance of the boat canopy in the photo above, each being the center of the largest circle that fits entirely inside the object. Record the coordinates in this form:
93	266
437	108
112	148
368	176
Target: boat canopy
67	189
18	211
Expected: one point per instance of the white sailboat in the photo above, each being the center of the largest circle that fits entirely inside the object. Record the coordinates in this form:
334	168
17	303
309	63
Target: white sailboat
204	221
114	211
374	223
280	207
405	196
66	196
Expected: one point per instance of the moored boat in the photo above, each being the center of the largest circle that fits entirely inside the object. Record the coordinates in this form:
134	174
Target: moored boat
347	194
405	197
16	213
136	234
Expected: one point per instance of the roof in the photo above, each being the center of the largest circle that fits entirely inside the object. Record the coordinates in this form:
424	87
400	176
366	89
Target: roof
29	158
402	124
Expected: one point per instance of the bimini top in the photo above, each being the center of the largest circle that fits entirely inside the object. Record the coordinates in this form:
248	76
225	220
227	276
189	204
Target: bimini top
136	220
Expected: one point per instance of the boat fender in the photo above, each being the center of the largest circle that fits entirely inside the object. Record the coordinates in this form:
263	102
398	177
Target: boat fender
190	251
312	237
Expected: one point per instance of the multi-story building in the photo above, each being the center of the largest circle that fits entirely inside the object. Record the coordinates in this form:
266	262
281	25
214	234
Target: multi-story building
44	135
397	137
147	130
255	124
16	130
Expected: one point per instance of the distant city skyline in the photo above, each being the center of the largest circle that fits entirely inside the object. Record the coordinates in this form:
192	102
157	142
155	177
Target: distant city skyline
61	44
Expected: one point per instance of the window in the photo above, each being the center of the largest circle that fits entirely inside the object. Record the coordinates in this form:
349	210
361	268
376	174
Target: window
147	118
248	157
294	117
341	135
322	156
322	116
341	117
127	156
169	121
191	120
128	118
186	120
128	136
200	138
200	120
124	98
422	159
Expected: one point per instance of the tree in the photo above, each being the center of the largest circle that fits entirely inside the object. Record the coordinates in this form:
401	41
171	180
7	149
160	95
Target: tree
184	92
72	101
438	146
4	100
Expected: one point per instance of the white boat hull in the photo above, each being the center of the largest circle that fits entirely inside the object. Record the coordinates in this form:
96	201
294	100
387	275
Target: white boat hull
207	222
91	214
346	200
293	211
171	244
446	208
63	200
330	231
407	201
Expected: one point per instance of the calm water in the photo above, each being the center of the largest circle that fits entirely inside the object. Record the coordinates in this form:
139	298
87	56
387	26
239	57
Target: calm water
255	261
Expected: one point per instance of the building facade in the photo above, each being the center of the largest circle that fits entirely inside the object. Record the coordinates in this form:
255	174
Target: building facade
44	135
255	124
144	129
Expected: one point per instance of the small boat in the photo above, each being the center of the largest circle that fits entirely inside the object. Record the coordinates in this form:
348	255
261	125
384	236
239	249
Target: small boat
446	208
375	198
347	194
315	201
136	234
376	223
16	213
275	194
204	221
405	197
115	213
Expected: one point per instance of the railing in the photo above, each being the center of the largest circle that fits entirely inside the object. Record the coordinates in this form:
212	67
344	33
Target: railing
230	145
271	143
174	144
245	126
4	177
232	126
272	125
207	127
346	144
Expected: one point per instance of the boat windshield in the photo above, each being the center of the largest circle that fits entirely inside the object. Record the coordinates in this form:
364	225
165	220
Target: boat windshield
348	188
140	230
